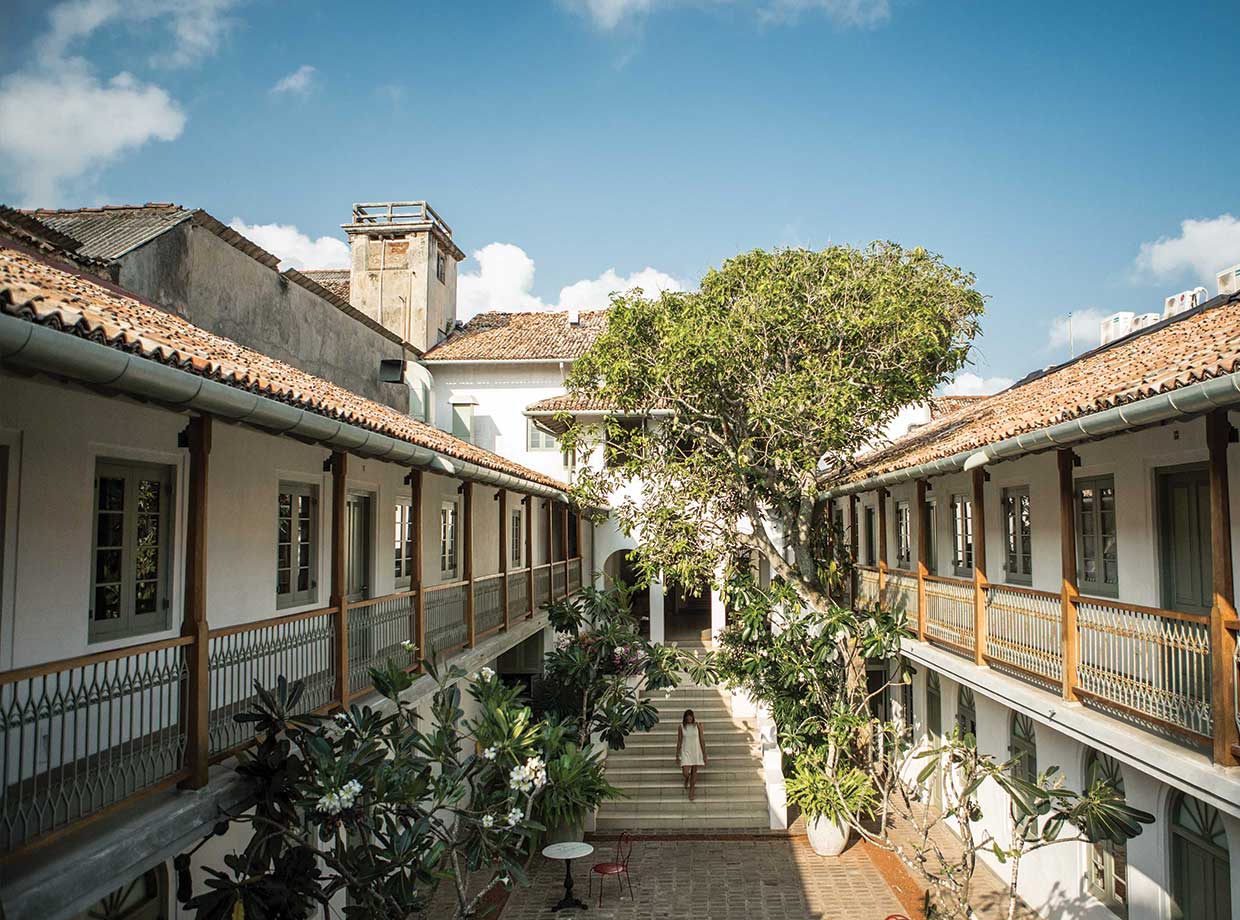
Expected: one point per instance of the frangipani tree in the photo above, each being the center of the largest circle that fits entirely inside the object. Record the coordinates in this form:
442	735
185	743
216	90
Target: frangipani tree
781	366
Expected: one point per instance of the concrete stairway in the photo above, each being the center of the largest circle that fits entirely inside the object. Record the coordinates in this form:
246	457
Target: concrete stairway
730	789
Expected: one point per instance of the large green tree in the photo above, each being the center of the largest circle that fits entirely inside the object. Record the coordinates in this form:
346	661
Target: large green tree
779	369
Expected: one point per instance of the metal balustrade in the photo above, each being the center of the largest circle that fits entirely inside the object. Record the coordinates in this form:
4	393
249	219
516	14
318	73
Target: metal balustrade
542	585
574	574
1024	630
300	647
488	603
867	585
85	734
949	612
377	629
518	593
1152	664
900	592
445	607
559	578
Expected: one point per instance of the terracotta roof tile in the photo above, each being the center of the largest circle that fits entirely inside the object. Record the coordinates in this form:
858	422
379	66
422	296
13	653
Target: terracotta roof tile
945	405
53	295
521	337
335	280
1183	350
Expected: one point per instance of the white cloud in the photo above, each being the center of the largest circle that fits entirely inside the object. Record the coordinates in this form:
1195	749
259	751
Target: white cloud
1203	248
300	81
60	121
970	384
294	248
61	125
1078	330
505	281
196	26
608	15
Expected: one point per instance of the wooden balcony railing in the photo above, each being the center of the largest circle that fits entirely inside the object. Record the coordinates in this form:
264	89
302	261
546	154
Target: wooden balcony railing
83	736
1147	665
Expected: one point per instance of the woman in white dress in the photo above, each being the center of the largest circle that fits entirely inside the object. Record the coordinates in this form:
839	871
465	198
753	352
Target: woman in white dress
690	750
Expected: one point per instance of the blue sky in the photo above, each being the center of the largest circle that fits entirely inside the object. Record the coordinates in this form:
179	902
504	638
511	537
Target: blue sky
1056	150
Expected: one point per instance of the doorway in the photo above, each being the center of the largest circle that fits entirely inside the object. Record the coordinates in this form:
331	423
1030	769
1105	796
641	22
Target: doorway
358	511
1184	539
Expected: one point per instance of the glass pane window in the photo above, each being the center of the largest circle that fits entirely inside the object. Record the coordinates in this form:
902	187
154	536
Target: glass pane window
517	538
962	534
538	439
1024	748
966	715
296	544
132	540
1097	542
871	533
904	535
405	534
1017	535
1108	862
447	539
934	705
932	537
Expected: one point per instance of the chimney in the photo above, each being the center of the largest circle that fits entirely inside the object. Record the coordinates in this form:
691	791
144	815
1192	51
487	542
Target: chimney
403	269
574	316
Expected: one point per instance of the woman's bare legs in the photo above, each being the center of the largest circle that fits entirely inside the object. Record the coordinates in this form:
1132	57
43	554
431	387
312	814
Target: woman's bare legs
687	771
692	783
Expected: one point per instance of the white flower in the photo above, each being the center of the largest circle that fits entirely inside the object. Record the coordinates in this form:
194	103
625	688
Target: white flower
486	673
490	753
408	646
333	803
488	821
515	816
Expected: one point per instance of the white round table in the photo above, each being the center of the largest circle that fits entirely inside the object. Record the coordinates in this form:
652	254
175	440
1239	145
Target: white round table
568	852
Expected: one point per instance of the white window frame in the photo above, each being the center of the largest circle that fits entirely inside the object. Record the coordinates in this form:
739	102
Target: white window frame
962	535
1017	545
449	539
295	597
904	535
1099	586
404	543
538	439
130	623
517	537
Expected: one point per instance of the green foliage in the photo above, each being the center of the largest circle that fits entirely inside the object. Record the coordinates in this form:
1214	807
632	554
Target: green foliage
596	676
781	367
576	785
373	804
818	792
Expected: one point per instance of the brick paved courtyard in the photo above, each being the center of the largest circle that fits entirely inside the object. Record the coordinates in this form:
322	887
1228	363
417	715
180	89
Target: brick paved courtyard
759	878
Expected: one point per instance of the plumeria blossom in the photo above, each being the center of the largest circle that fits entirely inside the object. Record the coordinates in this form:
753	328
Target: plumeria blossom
529	776
490	753
487	821
408	646
486	674
515	817
333	803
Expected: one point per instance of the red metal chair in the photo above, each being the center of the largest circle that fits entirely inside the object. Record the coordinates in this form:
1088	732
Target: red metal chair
624	849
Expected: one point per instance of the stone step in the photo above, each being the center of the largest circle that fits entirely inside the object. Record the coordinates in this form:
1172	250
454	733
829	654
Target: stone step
687	823
680	805
635	773
664	792
667	759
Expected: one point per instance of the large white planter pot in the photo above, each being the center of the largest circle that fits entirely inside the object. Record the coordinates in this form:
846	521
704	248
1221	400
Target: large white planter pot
827	837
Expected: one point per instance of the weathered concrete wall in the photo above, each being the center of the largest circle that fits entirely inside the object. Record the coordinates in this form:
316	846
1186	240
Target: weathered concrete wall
192	272
395	282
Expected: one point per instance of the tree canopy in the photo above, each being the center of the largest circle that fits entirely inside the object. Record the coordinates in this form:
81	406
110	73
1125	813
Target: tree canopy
781	366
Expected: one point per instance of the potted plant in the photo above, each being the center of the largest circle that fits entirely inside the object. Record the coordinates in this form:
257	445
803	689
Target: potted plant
576	786
827	800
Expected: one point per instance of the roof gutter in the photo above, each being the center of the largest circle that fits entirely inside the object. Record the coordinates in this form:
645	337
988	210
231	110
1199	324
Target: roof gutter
37	348
1186	402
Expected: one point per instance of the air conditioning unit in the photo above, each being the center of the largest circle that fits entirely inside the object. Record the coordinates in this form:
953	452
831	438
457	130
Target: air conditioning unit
1185	300
1229	281
1115	326
1145	320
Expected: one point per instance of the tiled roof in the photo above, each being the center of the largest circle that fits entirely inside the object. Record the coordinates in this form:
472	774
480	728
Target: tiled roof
946	405
570	402
54	295
335	280
521	337
1183	350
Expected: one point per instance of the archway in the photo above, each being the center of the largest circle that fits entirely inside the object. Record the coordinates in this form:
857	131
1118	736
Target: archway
618	567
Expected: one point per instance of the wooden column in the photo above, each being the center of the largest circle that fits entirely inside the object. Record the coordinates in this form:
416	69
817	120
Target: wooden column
852	548
564	542
340	500
1223	609
528	501
979	566
467	490
504	537
882	545
550	553
923	543
415	584
198	678
1069	592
